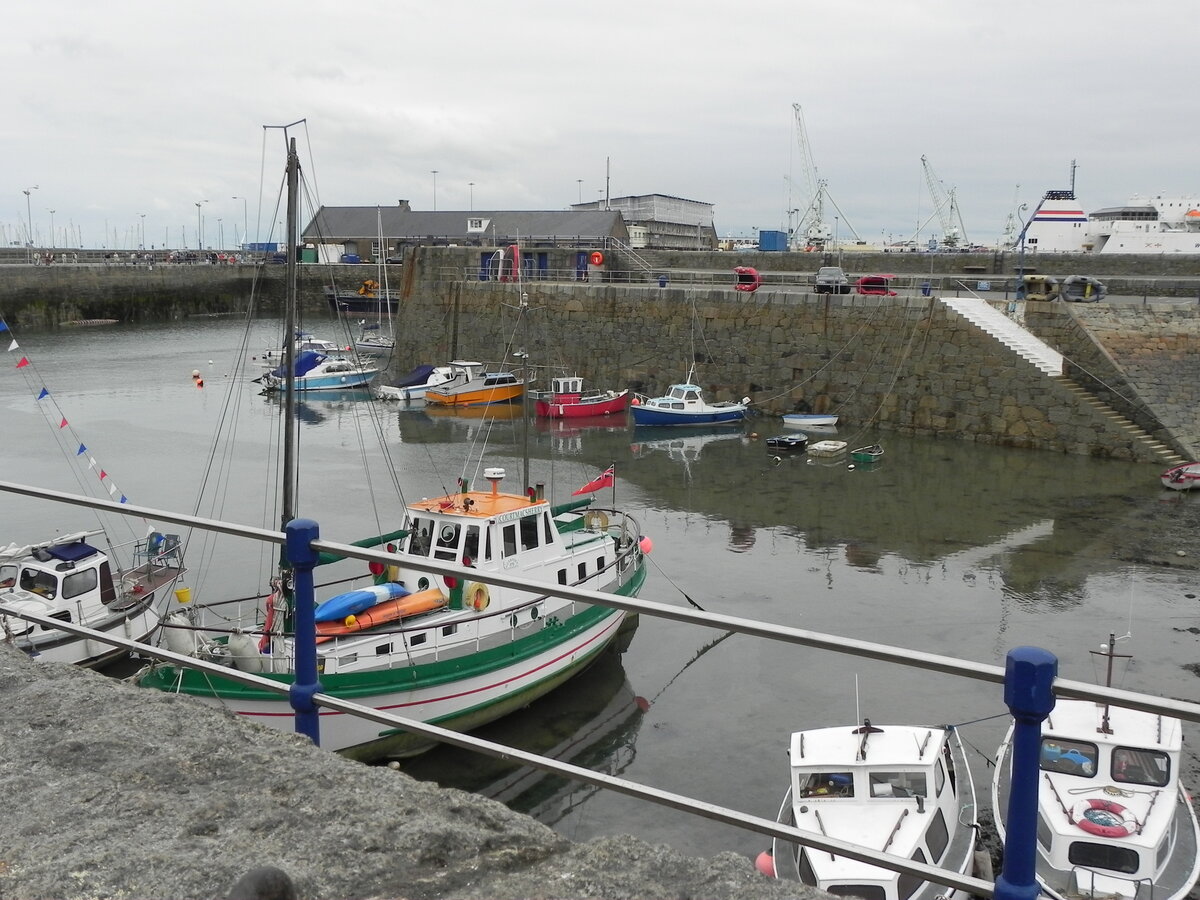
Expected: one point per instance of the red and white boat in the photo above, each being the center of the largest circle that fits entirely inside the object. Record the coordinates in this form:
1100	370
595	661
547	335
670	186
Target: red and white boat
566	399
1182	478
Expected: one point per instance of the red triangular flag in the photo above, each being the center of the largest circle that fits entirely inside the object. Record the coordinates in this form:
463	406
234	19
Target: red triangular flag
24	362
63	423
603	480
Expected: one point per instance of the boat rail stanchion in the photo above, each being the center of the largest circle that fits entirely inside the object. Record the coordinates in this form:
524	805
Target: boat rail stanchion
1029	673
300	535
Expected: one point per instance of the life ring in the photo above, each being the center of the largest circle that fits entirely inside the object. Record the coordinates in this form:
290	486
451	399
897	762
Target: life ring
477	596
597	258
1104	818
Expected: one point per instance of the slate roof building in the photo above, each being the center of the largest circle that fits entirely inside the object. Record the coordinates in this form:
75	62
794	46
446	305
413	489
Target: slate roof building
354	230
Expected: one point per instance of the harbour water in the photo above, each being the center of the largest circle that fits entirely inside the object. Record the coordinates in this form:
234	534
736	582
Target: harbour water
943	547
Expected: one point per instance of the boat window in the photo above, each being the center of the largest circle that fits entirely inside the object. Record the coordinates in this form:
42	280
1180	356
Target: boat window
807	876
583	571
42	583
599	563
80	583
692	395
548	527
899	784
471	545
529	533
8	576
865	891
1071	757
448	630
447	541
936	836
907	885
676	406
827	784
562	576
1111	856
415	640
510	540
1141	766
939	777
418	540
383	649
108	591
487	544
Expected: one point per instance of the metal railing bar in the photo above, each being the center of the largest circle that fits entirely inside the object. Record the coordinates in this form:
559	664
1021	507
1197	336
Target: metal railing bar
918	659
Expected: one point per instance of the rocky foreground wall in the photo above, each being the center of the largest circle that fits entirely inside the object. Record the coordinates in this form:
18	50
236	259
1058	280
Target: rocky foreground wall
116	791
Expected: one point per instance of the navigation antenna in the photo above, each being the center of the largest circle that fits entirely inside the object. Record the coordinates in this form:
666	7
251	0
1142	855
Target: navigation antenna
1107	651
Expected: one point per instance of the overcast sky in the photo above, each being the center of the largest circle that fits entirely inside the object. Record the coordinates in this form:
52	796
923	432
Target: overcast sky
126	114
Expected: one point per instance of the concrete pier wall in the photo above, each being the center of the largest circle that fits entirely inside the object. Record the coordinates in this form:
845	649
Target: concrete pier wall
901	363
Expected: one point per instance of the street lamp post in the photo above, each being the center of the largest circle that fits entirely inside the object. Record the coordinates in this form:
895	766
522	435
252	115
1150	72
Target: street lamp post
28	225
199	245
245	220
579	182
53	243
471	185
434	173
142	231
220	236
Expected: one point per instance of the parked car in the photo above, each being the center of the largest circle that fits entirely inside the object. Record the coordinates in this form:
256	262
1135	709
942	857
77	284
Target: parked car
831	280
878	285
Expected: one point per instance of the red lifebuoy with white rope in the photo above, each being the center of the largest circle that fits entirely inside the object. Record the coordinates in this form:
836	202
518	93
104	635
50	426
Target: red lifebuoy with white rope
1104	818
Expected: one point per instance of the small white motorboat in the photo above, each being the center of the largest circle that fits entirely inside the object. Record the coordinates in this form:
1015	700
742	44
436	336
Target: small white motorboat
902	789
414	385
1114	819
809	420
827	448
1182	478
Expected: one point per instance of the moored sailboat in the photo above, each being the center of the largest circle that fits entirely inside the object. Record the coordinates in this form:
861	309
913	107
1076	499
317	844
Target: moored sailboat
458	652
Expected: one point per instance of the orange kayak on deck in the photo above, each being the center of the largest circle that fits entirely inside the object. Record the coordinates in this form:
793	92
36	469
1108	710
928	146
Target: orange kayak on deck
382	614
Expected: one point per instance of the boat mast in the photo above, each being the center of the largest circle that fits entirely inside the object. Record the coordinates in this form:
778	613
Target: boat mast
288	510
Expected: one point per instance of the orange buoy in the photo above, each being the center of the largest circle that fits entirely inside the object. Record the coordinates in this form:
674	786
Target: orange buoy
765	863
645	544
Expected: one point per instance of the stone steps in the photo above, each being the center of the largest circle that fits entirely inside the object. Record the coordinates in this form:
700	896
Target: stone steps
985	316
1136	432
1029	347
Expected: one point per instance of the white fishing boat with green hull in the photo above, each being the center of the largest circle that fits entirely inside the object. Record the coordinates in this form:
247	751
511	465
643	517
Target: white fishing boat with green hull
456	654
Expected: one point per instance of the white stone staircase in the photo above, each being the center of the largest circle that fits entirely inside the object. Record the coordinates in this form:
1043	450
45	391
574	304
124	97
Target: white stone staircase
1032	348
985	316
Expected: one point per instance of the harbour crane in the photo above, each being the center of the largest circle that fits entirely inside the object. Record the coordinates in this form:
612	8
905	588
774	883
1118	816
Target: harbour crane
1008	239
945	207
812	231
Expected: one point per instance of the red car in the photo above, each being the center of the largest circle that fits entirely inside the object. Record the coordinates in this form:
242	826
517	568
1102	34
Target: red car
879	285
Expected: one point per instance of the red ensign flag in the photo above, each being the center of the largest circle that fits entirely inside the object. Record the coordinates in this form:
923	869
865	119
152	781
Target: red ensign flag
603	480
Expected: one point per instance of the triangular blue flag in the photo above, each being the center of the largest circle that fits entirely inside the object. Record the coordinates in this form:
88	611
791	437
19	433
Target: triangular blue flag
3	325
44	393
82	450
124	499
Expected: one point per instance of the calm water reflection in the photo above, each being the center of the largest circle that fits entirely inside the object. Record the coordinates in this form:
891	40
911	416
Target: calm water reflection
943	547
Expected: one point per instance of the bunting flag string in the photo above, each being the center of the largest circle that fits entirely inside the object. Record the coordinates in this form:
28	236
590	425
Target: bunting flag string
50	410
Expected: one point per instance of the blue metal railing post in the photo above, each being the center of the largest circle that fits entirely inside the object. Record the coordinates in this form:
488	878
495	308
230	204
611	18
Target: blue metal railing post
1029	673
300	535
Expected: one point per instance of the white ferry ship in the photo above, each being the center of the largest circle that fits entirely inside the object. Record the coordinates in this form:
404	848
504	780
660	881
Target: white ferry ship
1143	225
